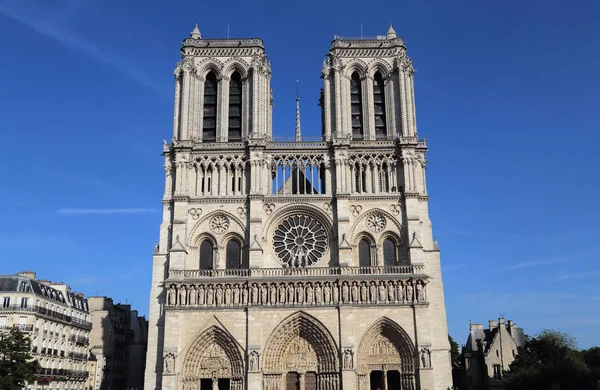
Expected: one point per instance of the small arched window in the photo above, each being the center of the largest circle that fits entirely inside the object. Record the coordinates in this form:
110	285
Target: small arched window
364	253
384	183
233	254
235	107
356	106
379	102
209	129
390	252
206	255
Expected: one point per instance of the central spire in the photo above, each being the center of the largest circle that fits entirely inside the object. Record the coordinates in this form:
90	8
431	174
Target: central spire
298	132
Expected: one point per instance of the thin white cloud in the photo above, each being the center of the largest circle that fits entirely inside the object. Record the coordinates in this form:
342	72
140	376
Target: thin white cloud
23	11
577	275
529	264
35	240
105	211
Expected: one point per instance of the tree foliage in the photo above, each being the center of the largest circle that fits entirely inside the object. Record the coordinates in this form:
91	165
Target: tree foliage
454	353
17	366
551	360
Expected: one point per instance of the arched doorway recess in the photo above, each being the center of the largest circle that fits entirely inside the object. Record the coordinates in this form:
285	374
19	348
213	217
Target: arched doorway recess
213	361
300	353
386	358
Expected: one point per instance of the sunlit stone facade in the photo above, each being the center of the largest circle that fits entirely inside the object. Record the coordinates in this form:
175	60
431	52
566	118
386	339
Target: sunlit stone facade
296	264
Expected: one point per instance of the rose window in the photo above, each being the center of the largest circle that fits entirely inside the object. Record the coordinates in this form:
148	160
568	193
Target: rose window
299	241
219	224
376	222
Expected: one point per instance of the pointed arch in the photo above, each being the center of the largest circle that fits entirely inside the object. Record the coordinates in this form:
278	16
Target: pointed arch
386	343
209	65
235	65
303	331
213	354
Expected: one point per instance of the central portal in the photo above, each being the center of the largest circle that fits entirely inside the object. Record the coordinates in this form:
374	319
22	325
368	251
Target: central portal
301	355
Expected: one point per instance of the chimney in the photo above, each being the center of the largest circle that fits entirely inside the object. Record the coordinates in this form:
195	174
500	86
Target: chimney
473	327
493	324
501	320
512	328
28	274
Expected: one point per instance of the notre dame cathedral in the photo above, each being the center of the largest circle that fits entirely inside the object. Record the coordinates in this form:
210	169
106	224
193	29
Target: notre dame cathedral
296	265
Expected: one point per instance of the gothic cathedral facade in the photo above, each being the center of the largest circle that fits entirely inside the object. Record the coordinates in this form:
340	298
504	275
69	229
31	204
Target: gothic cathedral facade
296	265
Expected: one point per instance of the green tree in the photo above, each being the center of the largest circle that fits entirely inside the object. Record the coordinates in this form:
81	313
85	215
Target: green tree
17	367
546	360
454	353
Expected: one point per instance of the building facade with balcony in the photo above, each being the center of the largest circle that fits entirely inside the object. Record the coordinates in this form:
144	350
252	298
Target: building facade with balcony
58	323
300	264
118	343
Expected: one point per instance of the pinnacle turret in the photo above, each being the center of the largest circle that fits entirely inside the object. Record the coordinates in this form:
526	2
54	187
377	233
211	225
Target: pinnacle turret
195	34
391	33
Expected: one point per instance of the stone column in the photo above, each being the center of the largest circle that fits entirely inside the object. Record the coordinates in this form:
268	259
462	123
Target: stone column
369	108
185	105
403	103
177	102
327	105
223	105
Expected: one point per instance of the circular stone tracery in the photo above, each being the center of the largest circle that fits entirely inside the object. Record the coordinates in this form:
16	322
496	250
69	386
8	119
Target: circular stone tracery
376	222
219	224
299	241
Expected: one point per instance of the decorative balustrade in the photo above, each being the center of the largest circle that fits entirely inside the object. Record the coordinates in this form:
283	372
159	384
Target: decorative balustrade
179	275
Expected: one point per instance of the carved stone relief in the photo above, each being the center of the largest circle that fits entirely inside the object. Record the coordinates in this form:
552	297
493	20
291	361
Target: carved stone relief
219	224
376	222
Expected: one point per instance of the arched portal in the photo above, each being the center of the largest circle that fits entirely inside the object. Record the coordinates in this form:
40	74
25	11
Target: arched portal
213	357
386	355
300	350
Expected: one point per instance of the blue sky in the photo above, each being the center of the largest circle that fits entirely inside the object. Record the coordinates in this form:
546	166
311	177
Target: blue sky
507	95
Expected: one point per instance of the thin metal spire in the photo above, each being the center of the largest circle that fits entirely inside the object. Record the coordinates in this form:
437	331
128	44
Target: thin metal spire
298	132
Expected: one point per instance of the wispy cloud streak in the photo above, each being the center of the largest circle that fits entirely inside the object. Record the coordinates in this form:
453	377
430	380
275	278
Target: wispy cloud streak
22	10
529	264
105	211
577	275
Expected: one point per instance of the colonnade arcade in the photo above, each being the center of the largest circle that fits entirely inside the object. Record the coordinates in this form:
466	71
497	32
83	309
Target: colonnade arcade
300	354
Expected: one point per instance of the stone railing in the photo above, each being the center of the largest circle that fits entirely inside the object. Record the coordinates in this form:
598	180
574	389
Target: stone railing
379	290
181	275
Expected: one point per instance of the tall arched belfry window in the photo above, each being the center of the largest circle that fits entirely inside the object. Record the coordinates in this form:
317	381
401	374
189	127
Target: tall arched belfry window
233	255
364	253
235	107
356	106
209	130
206	255
379	100
390	252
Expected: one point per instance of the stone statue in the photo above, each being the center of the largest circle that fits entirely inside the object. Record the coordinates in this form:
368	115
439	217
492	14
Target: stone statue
193	296
409	292
169	363
273	294
382	293
399	292
336	293
236	295
228	295
345	292
290	294
420	295
210	296
201	295
281	293
172	296
309	295
425	358
219	295
363	293
354	292
373	291
244	289
182	293
348	359
327	293
318	292
253	361
391	291
300	294
264	294
254	294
